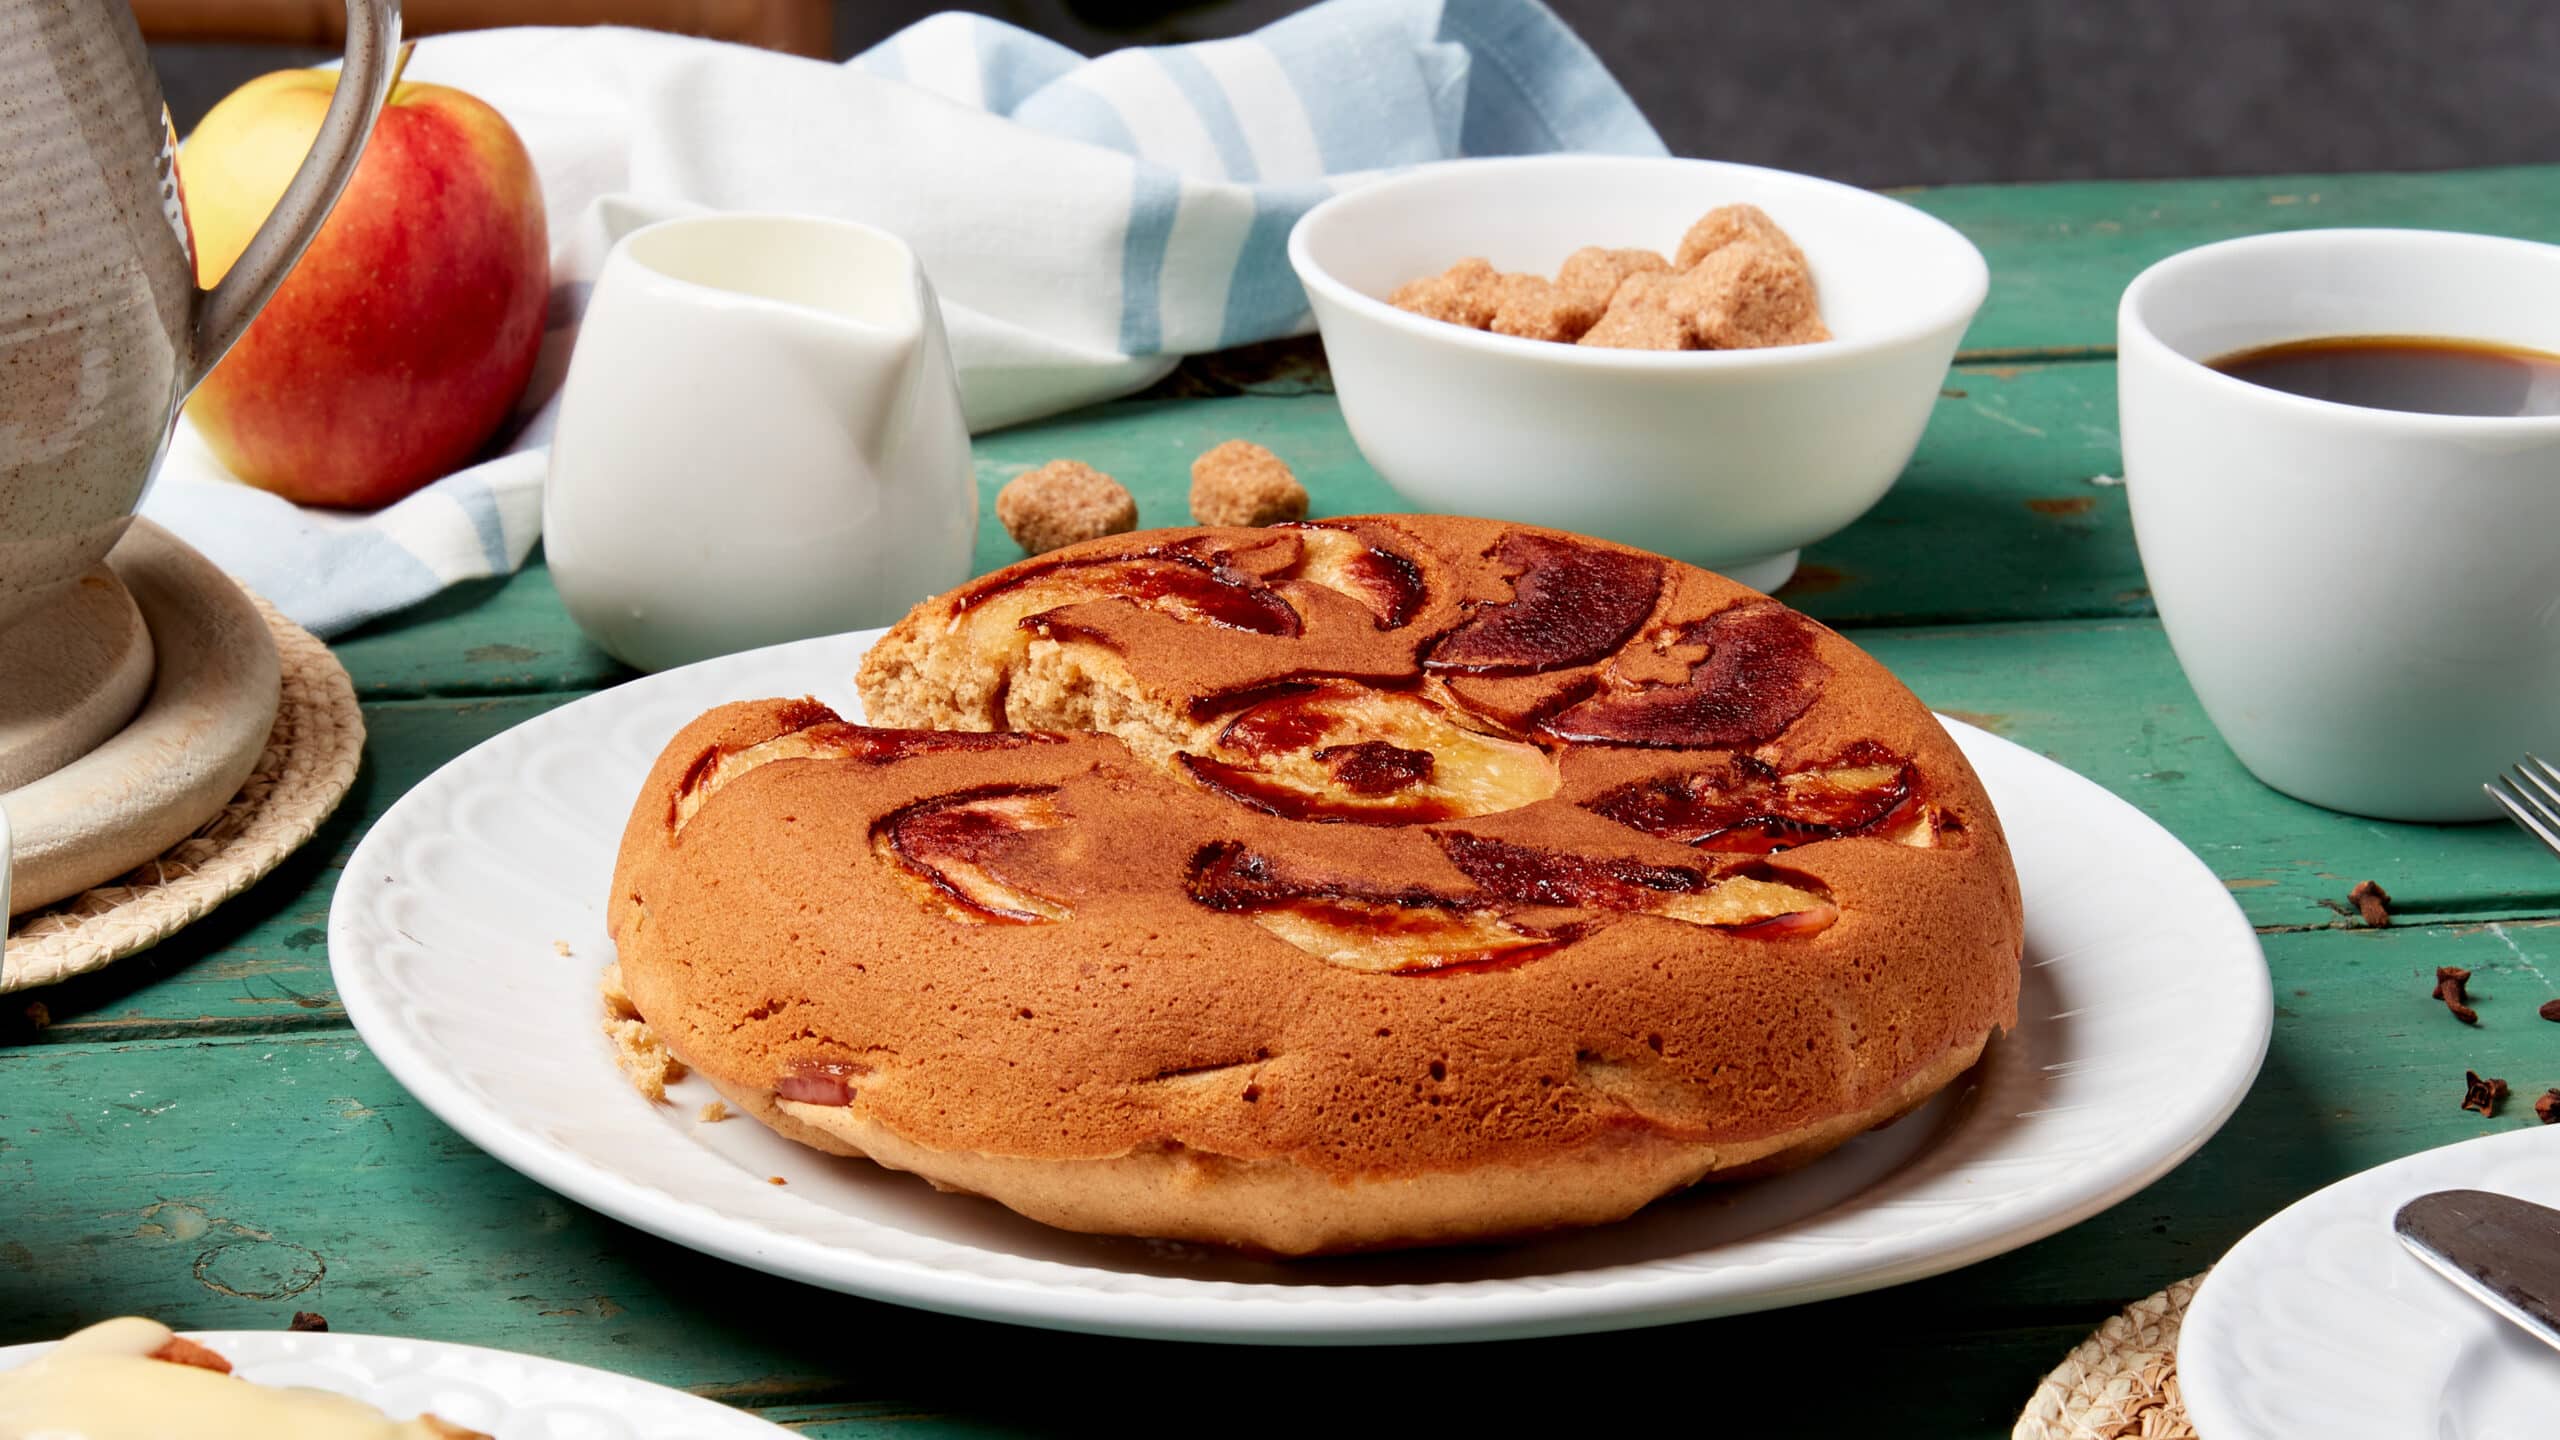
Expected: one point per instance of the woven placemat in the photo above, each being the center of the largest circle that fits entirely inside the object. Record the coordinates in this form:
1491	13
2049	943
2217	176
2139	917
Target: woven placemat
306	769
2122	1382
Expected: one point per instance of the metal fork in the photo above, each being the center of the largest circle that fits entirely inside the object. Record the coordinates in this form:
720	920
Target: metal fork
2530	794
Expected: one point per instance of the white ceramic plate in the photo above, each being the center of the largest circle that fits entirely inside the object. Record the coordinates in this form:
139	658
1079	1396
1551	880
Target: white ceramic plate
513	1397
2319	1323
441	938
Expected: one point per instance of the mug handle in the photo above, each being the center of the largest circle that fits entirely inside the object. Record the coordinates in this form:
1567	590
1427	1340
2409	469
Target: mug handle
223	312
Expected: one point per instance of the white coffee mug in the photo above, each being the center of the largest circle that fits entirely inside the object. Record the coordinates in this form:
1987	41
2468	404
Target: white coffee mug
760	440
2366	601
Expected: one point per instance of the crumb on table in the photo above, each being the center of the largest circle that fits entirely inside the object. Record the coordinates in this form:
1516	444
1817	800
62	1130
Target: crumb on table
560	948
712	1112
1062	503
1239	483
775	1180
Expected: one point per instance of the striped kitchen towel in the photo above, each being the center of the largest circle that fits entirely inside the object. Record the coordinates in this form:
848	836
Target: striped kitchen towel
1086	222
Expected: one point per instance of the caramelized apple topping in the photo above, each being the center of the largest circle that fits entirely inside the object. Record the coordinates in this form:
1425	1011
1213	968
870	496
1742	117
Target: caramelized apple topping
1760	673
1570	604
1400	932
1374	767
179	1350
1193	580
1351	754
820	1082
1751	808
820	734
1742	900
1385	580
954	850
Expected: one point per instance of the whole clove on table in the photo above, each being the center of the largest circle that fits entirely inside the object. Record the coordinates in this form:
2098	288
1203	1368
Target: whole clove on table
2482	1095
2453	988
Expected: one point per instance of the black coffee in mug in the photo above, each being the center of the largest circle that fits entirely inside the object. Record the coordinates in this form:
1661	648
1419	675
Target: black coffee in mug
2427	374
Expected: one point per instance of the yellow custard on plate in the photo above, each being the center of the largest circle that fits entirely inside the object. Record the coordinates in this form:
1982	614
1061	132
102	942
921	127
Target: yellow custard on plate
134	1379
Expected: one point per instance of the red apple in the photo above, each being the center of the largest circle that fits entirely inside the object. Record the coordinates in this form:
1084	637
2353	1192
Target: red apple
404	337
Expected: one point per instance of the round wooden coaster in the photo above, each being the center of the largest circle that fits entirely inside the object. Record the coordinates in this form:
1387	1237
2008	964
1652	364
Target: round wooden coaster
2122	1382
307	767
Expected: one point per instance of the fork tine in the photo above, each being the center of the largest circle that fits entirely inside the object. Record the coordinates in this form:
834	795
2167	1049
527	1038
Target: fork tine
2539	796
2526	816
2545	793
2549	771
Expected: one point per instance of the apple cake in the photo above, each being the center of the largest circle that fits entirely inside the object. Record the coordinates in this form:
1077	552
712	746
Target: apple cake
1333	886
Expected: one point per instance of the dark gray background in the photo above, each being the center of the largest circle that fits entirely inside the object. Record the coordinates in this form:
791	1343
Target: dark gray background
1889	92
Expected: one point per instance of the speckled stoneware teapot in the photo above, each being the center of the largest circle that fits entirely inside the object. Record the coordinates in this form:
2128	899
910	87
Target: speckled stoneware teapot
102	329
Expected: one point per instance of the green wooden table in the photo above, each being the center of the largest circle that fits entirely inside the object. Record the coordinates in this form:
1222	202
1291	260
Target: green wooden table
198	1134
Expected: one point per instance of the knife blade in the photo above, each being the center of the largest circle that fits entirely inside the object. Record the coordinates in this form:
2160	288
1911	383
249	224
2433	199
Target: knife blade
2502	1251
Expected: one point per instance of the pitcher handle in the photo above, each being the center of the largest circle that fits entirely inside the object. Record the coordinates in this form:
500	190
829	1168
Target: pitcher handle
221	313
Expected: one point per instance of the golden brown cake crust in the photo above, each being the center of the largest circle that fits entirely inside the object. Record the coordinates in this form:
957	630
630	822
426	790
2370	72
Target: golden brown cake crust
1125	972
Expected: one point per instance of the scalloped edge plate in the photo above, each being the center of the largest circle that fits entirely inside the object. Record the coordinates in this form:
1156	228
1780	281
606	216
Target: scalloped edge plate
2145	1014
510	1396
2319	1323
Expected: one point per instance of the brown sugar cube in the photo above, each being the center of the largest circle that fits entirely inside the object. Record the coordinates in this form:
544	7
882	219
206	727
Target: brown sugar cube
1728	224
1466	293
1061	503
1640	317
1596	272
1746	297
1534	309
1239	483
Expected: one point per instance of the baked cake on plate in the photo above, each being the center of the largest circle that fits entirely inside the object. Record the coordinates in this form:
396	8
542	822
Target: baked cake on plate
1371	882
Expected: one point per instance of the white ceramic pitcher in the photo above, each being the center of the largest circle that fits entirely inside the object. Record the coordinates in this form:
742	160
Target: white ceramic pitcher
760	439
102	329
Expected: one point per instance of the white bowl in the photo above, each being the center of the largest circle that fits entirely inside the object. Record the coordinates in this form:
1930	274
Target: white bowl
1731	459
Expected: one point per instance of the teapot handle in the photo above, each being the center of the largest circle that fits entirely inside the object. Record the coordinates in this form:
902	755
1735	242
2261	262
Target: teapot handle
5	847
223	312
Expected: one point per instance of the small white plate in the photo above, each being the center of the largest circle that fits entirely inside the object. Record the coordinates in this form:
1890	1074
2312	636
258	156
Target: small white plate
513	1397
2319	1323
2145	1013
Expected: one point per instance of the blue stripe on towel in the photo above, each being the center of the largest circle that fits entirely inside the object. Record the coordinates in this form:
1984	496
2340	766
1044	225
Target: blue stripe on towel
1013	66
1264	299
476	501
1071	112
1209	101
1370	111
1155	193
